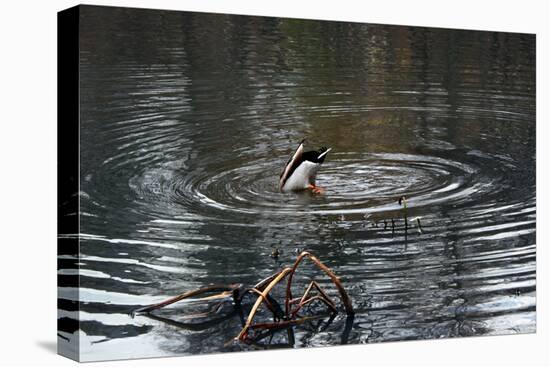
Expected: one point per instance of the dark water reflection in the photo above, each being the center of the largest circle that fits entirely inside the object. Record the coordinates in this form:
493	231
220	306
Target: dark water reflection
187	120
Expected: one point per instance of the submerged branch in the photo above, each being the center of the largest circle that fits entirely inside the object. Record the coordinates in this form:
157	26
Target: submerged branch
226	291
259	301
345	298
281	318
286	323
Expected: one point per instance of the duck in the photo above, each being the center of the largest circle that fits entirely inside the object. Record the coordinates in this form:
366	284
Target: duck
300	170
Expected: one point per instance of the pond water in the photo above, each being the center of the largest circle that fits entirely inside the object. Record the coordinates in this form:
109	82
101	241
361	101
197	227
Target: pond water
187	120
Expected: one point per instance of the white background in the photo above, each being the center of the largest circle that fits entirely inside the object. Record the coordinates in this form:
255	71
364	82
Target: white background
28	181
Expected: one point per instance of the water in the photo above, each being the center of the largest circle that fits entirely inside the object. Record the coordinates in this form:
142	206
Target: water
188	119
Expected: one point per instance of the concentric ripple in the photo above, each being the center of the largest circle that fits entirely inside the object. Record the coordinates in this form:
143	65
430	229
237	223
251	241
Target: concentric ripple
354	183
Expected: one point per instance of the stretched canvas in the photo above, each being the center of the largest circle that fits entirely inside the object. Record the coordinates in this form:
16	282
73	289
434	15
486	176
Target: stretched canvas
232	183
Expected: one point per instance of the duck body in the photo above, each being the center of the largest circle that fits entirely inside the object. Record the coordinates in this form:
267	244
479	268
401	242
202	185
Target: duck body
301	169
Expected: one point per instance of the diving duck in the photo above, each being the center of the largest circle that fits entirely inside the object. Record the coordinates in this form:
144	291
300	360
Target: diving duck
300	170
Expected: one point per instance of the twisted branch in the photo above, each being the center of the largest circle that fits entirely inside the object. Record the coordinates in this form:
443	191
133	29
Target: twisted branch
345	298
281	275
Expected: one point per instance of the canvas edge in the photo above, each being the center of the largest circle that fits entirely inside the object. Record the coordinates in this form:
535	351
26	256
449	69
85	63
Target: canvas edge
68	203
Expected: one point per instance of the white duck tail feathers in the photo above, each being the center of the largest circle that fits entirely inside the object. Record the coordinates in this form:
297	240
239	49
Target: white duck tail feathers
302	177
324	153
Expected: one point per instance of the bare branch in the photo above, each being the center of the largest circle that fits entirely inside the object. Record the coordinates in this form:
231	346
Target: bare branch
226	291
277	279
345	298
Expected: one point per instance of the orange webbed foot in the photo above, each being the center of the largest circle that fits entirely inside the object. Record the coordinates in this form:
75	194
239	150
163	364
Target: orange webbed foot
316	189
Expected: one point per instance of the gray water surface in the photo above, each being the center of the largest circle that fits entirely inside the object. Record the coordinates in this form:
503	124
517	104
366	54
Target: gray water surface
187	120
